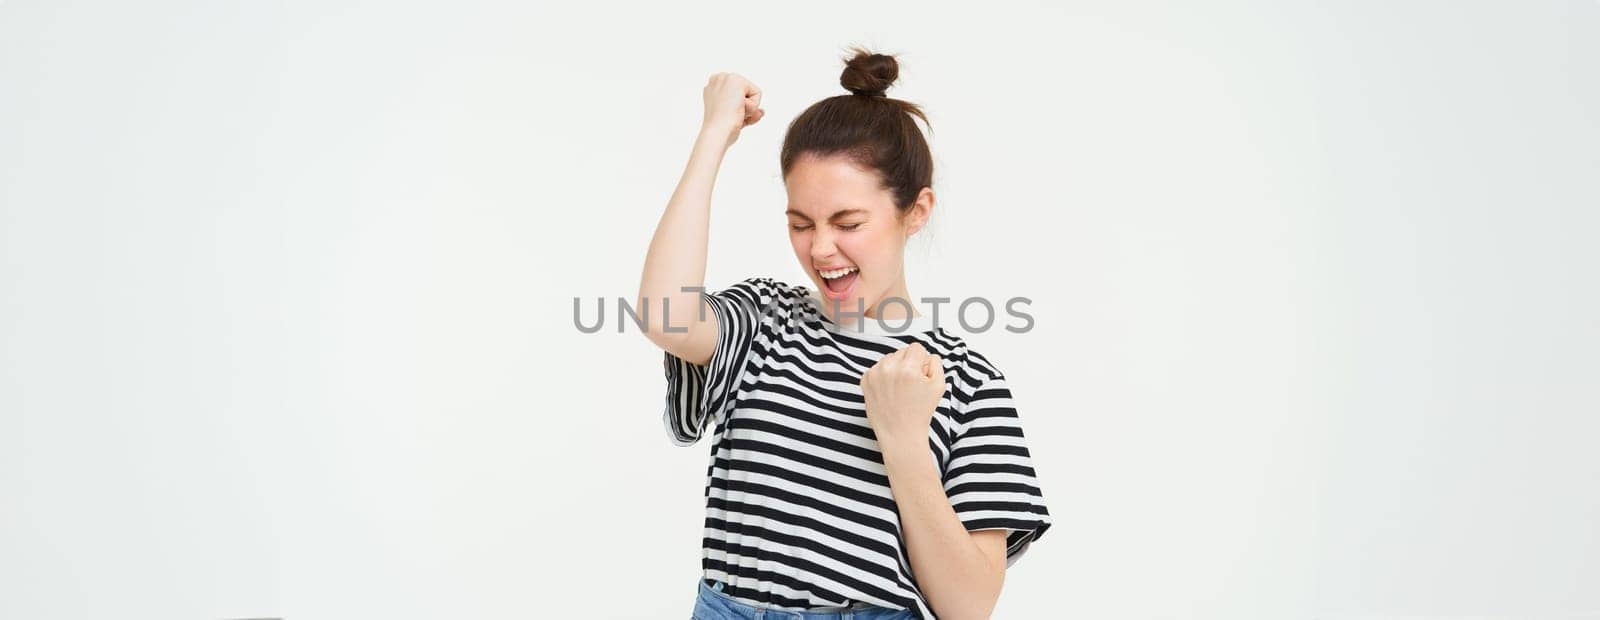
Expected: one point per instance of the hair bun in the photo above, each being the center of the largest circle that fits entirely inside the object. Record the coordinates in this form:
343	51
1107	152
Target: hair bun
868	74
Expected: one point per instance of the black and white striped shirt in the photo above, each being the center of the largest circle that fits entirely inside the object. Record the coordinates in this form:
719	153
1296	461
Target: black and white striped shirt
799	512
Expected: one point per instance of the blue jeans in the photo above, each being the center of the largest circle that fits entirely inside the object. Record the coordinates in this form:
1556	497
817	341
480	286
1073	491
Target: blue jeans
714	604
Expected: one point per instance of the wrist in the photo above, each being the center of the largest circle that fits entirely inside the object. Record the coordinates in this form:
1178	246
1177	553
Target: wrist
898	446
716	134
909	460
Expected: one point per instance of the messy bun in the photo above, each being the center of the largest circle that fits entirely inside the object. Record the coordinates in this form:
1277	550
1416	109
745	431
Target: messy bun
868	74
875	131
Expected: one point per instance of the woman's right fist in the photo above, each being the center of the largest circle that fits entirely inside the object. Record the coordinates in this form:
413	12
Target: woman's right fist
732	102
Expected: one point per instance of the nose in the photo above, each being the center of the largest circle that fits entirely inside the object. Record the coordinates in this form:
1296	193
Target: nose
822	247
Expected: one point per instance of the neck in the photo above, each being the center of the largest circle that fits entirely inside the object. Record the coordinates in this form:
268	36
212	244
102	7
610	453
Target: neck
895	310
880	311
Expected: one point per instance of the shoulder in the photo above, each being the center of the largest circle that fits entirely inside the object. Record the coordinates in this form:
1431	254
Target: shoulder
982	366
758	297
973	374
762	290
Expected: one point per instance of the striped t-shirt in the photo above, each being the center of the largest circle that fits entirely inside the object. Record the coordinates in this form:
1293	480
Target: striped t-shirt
799	513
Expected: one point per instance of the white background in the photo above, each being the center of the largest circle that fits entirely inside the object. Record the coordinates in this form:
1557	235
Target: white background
288	295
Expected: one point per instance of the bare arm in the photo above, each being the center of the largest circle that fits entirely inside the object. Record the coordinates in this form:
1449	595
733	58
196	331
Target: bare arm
960	572
677	255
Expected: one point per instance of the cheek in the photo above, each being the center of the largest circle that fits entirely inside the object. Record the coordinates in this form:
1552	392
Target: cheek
886	254
802	246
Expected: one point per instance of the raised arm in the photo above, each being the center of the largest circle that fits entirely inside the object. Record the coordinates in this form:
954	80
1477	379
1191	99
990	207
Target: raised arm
677	254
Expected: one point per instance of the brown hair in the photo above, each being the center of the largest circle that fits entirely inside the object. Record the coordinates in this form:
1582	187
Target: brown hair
873	130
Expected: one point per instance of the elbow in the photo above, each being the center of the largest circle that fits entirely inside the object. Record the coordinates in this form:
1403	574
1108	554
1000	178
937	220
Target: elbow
975	612
649	319
670	341
975	603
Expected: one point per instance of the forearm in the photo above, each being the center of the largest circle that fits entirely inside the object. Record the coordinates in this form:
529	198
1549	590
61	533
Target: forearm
677	254
951	570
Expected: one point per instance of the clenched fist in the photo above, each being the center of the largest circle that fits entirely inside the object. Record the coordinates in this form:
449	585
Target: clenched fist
732	102
901	391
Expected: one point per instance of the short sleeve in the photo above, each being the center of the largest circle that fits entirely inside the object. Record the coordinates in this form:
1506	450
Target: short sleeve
989	477
698	395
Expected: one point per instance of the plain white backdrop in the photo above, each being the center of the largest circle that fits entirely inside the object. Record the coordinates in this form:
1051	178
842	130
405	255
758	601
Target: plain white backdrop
288	297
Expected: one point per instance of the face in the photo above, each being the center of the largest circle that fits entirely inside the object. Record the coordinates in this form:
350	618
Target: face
841	220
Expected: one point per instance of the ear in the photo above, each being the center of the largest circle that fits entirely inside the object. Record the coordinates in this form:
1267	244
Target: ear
917	217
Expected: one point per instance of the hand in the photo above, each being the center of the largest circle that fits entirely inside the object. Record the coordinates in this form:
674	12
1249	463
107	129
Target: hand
732	103
902	390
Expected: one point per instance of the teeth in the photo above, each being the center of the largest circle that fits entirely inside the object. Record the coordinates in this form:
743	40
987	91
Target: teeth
829	275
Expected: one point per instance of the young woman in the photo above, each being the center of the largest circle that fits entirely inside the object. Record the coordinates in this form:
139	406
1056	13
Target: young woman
865	463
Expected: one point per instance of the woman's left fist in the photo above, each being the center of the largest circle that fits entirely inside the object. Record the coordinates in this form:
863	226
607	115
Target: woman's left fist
902	391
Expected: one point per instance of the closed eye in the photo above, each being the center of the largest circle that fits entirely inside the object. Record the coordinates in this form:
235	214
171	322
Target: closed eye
806	227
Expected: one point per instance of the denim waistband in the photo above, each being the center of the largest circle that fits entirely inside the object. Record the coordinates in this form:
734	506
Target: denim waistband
713	590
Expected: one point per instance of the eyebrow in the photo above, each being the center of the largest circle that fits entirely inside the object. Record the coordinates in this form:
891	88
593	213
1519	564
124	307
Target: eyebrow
837	215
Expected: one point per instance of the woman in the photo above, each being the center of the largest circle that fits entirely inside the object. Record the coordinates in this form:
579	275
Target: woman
864	462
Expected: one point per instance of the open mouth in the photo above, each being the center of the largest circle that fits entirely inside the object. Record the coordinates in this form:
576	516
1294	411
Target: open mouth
841	283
